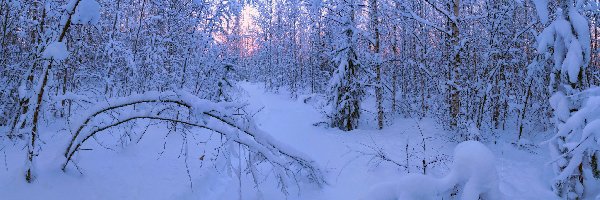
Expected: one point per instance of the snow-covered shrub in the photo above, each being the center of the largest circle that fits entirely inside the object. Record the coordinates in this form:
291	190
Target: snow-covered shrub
567	41
345	85
576	145
473	170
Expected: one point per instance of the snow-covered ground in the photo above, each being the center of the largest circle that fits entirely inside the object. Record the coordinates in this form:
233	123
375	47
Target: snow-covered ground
155	169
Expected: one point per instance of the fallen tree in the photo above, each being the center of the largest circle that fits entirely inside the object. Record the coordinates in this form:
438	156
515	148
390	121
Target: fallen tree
223	118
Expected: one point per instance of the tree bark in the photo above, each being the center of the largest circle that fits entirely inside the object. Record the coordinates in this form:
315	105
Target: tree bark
376	50
454	74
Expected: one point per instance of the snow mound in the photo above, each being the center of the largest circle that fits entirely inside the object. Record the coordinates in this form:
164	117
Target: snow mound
87	12
473	169
57	51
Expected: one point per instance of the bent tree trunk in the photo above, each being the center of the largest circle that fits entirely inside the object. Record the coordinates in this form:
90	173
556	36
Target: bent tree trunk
39	94
221	118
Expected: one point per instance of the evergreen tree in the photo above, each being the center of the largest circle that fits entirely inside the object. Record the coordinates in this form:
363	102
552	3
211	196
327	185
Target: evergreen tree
345	82
567	40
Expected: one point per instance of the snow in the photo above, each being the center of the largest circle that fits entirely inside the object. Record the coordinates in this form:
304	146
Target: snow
146	105
473	167
573	62
571	49
285	162
87	12
576	139
409	187
154	168
582	30
56	51
541	6
560	104
593	128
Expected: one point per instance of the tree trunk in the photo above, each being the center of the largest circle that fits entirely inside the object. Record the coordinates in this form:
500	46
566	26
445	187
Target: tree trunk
454	74
376	51
39	100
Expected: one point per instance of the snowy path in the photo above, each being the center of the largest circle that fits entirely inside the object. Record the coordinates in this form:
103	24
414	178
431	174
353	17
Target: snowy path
292	122
523	174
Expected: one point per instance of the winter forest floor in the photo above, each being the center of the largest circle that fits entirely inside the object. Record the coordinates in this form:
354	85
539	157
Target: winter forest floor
146	170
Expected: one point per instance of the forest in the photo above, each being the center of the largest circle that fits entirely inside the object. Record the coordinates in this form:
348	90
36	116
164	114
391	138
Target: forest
300	99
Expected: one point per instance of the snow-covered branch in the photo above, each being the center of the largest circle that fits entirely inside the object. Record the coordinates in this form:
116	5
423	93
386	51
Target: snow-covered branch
204	114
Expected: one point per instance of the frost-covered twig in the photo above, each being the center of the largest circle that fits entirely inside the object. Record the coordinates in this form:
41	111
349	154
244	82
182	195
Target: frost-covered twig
377	154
